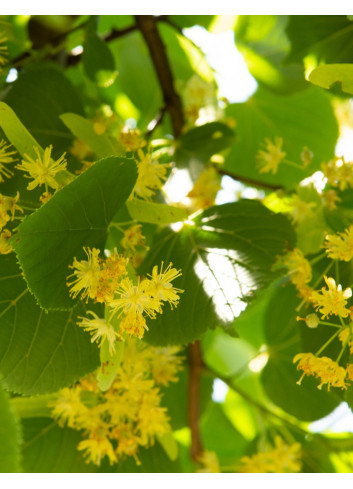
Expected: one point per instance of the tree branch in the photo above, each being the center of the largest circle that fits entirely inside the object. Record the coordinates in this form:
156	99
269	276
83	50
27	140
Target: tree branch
148	27
195	370
248	181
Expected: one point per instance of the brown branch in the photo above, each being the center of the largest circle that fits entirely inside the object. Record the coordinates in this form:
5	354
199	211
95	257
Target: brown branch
248	181
195	371
148	27
152	126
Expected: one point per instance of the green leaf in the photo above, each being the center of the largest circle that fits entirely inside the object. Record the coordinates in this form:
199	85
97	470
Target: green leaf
39	352
204	141
16	132
220	435
98	61
83	129
50	449
154	213
10	436
301	119
280	375
326	75
328	37
78	215
263	42
39	96
223	258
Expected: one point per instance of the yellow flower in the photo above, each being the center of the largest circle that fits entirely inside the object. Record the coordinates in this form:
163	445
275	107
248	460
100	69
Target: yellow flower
43	169
135	300
68	406
100	330
210	463
204	192
131	139
165	364
133	324
6	157
312	320
269	159
339	173
345	335
86	275
8	207
5	245
152	419
333	300
325	368
133	237
80	150
283	458
96	447
299	268
160	284
330	199
113	269
349	370
340	246
151	175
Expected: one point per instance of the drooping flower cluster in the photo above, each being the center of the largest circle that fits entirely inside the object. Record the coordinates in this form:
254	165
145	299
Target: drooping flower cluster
209	462
131	139
340	246
128	301
281	459
299	271
339	173
332	300
8	208
117	422
327	370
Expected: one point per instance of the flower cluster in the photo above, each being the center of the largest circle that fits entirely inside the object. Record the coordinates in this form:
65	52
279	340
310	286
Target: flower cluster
198	95
340	246
129	415
131	139
4	52
151	175
128	302
6	158
331	300
8	208
339	173
327	370
299	271
283	458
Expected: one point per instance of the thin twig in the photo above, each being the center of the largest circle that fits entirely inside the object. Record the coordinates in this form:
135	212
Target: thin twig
196	367
152	126
148	27
249	181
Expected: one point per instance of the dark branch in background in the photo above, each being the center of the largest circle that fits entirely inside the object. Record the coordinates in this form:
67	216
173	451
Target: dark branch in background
147	24
196	367
152	126
70	60
248	181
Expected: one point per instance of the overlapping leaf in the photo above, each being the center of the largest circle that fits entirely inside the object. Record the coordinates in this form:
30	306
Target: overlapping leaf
39	352
223	258
76	216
